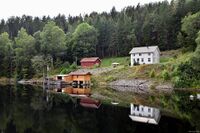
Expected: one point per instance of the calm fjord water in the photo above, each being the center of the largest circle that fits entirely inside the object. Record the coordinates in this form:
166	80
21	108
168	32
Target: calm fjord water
27	109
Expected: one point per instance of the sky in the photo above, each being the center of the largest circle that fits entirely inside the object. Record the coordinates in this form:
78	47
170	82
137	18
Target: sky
54	7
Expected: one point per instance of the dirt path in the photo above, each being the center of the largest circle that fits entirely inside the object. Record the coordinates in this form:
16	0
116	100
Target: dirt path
95	71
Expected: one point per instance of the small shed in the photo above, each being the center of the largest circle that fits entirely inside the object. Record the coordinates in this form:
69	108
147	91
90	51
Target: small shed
90	62
115	64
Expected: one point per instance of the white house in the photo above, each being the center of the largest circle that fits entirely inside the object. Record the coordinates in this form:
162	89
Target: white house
144	114
145	55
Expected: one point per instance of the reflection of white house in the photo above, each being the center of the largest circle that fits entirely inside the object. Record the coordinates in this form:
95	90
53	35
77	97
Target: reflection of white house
145	114
198	96
145	55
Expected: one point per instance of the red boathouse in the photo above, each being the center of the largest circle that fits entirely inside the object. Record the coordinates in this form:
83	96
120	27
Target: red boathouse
90	62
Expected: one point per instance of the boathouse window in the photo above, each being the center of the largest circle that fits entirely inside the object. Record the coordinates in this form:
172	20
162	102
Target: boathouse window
133	54
149	110
149	54
149	59
59	77
142	109
142	59
140	54
138	59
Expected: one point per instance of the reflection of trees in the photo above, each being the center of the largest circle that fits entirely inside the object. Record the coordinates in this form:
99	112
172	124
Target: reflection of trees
28	110
195	119
180	104
4	109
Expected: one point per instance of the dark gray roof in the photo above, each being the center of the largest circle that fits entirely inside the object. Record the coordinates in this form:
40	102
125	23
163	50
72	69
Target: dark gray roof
145	49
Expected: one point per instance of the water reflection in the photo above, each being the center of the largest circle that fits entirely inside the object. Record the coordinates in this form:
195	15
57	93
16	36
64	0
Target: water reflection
27	109
145	114
81	92
73	90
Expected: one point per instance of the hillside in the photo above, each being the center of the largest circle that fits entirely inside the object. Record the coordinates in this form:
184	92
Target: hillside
169	60
157	78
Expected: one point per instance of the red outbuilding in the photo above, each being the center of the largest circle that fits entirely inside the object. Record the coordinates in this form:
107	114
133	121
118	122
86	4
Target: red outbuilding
90	62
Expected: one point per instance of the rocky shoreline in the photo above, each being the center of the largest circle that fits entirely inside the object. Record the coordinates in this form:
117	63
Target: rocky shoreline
140	86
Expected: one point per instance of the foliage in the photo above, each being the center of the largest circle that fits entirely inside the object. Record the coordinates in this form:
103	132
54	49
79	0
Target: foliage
6	53
188	73
189	29
68	69
165	75
168	25
24	52
52	39
110	78
84	41
152	73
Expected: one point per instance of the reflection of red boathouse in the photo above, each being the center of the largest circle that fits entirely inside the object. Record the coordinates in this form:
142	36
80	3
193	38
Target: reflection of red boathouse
90	103
78	90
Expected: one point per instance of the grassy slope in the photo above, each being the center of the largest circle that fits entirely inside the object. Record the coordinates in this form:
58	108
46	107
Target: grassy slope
169	61
108	61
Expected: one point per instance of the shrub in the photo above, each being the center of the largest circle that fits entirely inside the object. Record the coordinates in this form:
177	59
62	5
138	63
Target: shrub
186	76
110	78
152	87
68	69
73	66
65	71
152	73
165	75
65	64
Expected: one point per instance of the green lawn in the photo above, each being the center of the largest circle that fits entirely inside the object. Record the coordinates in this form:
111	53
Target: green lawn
106	62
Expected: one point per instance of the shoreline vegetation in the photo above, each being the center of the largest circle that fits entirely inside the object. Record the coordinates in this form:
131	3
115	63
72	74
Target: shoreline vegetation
123	82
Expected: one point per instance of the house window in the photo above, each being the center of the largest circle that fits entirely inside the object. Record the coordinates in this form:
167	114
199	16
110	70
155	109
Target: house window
149	59
149	110
138	59
142	109
142	60
133	54
149	54
140	54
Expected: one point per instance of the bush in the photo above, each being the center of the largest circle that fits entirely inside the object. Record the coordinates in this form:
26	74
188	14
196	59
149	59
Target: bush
65	64
186	76
110	78
68	69
152	87
165	75
73	66
65	71
152	73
